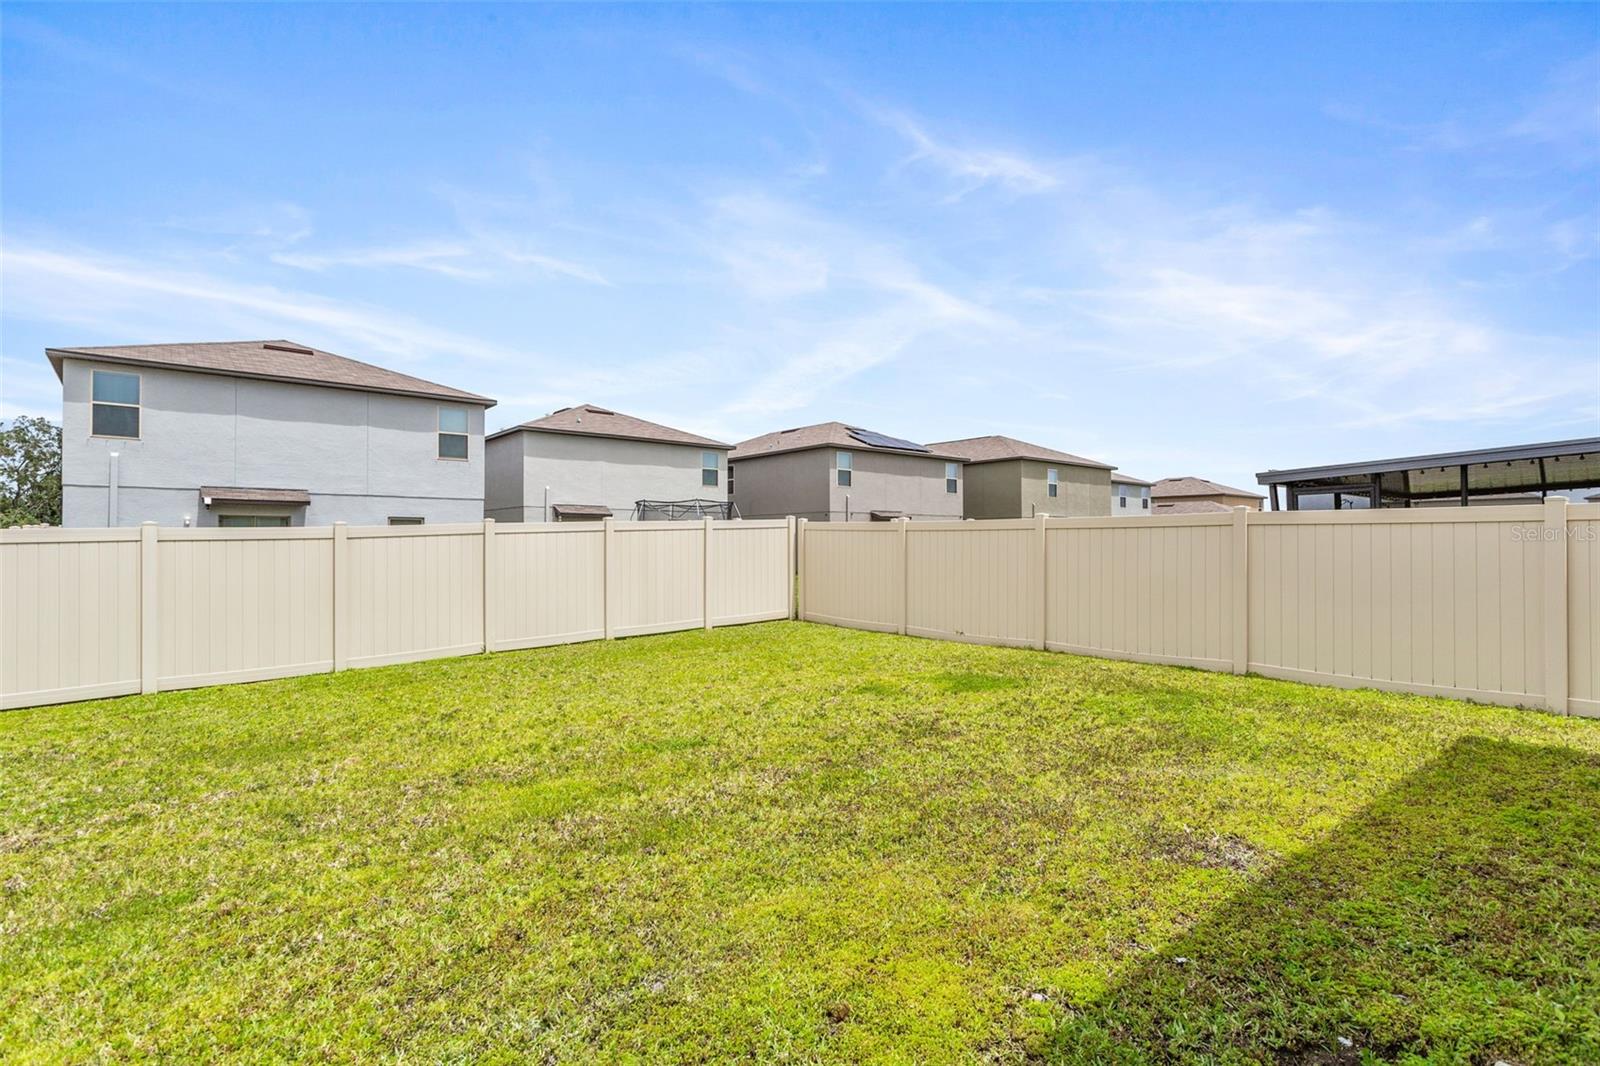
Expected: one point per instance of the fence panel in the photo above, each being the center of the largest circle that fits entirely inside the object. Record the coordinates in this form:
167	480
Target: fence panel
655	579
69	615
254	606
1583	609
749	577
853	574
1433	601
978	582
415	592
1149	589
549	585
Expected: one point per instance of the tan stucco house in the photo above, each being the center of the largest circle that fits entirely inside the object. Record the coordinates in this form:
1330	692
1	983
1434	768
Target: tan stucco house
1187	489
586	463
835	472
1010	478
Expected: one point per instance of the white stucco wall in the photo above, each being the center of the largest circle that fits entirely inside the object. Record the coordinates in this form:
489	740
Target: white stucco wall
586	469
1138	505
363	457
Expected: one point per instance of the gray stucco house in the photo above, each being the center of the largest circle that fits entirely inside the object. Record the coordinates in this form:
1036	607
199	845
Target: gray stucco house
261	433
834	472
1010	478
586	463
1130	497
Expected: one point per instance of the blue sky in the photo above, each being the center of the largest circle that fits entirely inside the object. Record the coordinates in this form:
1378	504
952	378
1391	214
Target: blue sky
1185	240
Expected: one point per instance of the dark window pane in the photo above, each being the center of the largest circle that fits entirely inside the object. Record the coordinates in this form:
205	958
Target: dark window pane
950	484
116	388
1052	488
708	477
844	478
110	421
452	446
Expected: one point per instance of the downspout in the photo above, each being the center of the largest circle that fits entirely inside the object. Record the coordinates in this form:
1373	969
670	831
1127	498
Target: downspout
112	511
547	503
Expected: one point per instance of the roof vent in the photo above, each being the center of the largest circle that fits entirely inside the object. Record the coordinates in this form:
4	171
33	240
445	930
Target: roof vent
295	348
592	409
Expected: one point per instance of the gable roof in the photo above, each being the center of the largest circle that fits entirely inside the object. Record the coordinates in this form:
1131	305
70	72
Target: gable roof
270	360
1129	479
825	435
586	419
1197	486
996	448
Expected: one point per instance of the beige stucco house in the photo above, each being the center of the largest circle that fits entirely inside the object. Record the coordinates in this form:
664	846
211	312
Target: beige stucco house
1190	489
587	463
835	472
1010	478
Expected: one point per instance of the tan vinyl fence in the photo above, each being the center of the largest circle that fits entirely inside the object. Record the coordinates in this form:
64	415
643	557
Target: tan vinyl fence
1497	604
91	613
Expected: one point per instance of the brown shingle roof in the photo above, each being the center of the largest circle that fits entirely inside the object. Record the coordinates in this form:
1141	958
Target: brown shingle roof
1128	479
1197	486
273	360
1191	507
589	420
241	494
821	435
995	448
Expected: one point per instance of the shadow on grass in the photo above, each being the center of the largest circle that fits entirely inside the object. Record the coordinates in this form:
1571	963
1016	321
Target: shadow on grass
1456	919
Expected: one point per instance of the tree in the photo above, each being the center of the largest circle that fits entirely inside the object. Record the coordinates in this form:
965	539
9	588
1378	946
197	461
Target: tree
30	473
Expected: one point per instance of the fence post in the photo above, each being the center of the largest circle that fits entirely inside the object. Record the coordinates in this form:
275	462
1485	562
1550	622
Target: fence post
607	533
905	575
799	579
149	618
789	557
1553	542
488	584
341	595
705	572
1240	593
1043	616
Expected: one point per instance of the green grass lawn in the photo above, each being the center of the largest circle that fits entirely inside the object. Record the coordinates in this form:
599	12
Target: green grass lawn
796	843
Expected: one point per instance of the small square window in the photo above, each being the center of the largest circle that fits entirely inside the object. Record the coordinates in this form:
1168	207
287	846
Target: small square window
844	463
952	474
115	404
710	468
453	433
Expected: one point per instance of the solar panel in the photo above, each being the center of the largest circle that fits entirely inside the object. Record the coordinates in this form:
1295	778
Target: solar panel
878	440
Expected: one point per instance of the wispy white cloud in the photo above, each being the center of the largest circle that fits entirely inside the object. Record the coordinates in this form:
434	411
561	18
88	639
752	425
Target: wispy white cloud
96	291
968	167
484	259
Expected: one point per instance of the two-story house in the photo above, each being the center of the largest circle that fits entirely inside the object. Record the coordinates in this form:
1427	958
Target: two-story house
835	472
1010	478
586	463
261	433
1130	496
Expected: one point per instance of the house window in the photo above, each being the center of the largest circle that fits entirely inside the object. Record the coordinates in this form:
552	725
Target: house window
709	468
1122	497
843	462
1144	501
404	520
1051	483
452	432
952	471
252	521
116	405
